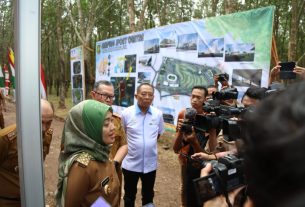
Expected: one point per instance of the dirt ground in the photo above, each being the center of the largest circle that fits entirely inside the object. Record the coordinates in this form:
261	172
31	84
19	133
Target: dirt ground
168	174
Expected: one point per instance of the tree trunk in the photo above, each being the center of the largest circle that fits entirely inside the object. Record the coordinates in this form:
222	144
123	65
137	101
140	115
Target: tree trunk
61	103
89	71
131	15
214	7
141	22
83	29
293	36
230	6
164	13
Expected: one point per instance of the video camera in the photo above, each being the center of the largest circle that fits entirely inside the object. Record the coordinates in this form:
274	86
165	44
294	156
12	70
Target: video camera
227	175
189	121
218	116
225	94
219	119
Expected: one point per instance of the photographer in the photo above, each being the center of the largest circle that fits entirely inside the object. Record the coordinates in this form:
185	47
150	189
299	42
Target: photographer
273	155
252	96
275	71
223	79
189	142
211	89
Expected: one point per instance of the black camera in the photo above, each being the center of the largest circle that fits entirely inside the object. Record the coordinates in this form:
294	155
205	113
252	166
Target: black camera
186	127
223	77
207	122
227	175
232	129
219	118
226	94
189	121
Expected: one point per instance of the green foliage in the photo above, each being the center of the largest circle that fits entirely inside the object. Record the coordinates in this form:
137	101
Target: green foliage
111	19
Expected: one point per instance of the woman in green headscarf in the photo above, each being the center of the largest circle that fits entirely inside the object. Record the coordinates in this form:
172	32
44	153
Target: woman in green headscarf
85	172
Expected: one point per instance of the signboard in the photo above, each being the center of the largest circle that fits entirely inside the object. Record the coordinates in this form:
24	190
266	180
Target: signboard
177	57
77	75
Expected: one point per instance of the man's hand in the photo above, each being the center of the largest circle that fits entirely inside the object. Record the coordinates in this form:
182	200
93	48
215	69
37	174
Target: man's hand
275	71
201	156
191	138
179	124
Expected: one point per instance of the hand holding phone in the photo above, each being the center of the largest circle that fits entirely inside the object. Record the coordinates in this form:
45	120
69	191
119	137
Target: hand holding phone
286	70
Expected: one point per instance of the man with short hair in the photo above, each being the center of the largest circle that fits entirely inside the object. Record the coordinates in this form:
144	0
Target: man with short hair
252	96
9	177
187	144
143	124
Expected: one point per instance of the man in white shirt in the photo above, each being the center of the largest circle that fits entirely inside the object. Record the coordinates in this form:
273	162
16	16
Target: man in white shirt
143	125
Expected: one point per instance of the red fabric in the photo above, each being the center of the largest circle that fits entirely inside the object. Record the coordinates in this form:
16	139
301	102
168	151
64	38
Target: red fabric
43	83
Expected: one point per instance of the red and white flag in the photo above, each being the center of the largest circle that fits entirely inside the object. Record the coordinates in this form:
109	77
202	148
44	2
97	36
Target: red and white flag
43	84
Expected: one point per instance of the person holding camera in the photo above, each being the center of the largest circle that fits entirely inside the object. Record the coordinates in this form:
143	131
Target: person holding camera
211	90
188	142
252	96
274	153
275	72
223	79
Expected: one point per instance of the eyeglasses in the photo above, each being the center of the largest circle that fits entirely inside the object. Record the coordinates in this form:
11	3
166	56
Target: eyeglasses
105	96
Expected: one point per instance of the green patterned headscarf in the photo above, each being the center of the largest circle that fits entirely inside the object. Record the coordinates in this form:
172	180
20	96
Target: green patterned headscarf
93	116
83	130
82	133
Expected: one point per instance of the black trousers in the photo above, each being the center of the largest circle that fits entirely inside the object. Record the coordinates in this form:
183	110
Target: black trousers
130	186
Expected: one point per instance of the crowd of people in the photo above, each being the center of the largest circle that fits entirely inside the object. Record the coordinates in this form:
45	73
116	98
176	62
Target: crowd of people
99	147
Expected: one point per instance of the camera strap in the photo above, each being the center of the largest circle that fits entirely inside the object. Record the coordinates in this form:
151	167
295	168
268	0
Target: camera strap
223	187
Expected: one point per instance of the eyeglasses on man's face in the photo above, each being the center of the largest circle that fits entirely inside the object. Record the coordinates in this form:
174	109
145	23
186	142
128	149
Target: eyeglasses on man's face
105	96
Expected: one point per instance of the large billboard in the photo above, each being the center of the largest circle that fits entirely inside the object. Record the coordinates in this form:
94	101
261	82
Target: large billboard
176	57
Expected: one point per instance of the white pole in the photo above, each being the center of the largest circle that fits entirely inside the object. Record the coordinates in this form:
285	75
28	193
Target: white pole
27	62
